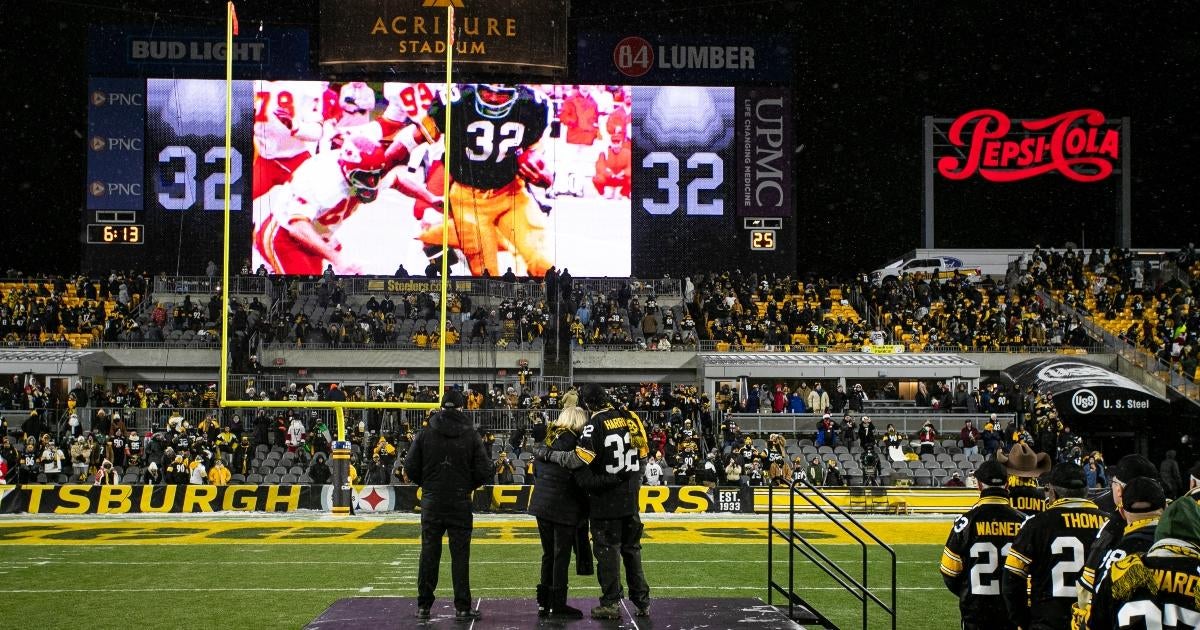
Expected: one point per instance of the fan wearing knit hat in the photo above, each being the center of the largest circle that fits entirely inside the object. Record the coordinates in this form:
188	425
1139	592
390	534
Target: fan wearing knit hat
1160	583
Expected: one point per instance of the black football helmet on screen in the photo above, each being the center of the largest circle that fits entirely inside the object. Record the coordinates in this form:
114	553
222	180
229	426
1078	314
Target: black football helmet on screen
495	100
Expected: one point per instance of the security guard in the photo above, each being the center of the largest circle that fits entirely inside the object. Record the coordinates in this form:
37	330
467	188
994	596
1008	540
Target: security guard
608	462
448	461
973	559
1048	555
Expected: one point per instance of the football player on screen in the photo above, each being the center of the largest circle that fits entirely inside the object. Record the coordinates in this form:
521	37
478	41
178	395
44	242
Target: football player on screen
288	119
496	130
297	233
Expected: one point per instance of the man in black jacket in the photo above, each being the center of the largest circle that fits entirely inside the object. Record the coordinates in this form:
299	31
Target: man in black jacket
448	461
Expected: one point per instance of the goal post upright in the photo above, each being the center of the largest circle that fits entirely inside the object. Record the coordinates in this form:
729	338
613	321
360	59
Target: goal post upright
341	448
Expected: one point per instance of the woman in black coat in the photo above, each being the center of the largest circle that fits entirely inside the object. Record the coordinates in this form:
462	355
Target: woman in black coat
559	504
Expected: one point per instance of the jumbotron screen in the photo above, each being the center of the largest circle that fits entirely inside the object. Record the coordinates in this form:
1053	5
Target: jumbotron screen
600	180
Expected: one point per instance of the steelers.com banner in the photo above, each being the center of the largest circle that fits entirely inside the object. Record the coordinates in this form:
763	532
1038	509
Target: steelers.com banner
509	36
143	499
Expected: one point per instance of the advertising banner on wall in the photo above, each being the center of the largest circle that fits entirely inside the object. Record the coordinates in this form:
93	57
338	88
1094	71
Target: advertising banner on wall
142	51
140	499
514	36
764	169
682	60
116	114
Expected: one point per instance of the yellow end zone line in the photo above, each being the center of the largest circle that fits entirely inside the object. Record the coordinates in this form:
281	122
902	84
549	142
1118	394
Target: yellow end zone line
376	531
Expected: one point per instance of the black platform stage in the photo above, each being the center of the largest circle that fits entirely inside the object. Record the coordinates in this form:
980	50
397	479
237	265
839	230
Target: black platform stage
380	613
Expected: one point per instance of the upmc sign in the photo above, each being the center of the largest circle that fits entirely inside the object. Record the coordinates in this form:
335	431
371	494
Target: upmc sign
1081	145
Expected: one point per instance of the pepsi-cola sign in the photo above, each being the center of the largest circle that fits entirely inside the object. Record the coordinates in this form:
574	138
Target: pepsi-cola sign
1080	145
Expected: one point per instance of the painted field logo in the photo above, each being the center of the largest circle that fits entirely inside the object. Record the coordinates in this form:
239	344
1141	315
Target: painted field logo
1084	401
1075	144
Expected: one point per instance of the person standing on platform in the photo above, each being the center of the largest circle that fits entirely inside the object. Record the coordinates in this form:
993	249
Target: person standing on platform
973	559
559	504
612	445
448	461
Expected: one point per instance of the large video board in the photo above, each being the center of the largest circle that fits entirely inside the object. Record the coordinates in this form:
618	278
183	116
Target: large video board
601	180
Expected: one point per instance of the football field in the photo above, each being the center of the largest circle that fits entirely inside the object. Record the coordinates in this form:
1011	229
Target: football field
282	572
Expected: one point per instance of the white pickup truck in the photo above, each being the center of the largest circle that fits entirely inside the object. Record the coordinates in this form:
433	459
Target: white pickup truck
943	266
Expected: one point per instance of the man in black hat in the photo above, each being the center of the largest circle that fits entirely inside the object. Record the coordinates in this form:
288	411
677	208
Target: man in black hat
449	462
1158	588
1130	468
1048	555
1142	503
973	558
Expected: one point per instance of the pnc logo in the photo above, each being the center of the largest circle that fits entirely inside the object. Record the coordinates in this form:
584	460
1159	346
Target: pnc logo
457	4
98	143
97	189
98	98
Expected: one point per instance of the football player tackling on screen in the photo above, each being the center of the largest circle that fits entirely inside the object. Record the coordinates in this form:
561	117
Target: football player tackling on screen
495	130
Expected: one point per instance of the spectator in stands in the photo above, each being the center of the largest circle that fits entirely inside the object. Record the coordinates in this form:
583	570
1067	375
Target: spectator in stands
893	444
927	436
849	432
80	452
866	433
52	462
151	475
969	437
219	475
1169	473
826	432
733	470
199	474
653	475
818	400
105	475
992	438
504	469
754	476
955	481
815	472
833	474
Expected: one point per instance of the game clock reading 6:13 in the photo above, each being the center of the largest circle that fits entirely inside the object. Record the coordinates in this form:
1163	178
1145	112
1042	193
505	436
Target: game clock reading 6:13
115	233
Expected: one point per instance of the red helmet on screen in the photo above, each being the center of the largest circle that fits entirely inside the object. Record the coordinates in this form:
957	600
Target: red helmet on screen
362	161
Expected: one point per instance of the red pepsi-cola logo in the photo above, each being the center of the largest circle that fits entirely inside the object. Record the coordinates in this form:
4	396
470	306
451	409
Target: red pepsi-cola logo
1075	144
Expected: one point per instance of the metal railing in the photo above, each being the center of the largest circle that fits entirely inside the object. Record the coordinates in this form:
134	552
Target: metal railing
474	287
500	421
908	423
638	287
858	587
1129	352
202	285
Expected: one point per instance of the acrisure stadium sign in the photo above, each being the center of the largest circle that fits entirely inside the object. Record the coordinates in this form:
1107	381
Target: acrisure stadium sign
510	37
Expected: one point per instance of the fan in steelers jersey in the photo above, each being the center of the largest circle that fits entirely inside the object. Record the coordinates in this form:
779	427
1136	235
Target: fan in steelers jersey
973	560
495	131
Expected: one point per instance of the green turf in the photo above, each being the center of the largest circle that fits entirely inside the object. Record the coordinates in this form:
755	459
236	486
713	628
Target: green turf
287	585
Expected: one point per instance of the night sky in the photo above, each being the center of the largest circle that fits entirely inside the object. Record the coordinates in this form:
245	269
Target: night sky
864	76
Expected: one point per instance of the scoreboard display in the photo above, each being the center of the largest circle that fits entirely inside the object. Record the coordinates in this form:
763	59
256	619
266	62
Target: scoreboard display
643	181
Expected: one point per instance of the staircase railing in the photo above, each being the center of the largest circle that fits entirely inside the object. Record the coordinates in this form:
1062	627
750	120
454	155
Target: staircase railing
858	587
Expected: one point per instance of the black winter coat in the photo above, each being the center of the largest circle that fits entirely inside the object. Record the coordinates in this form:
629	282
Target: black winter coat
556	497
448	461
